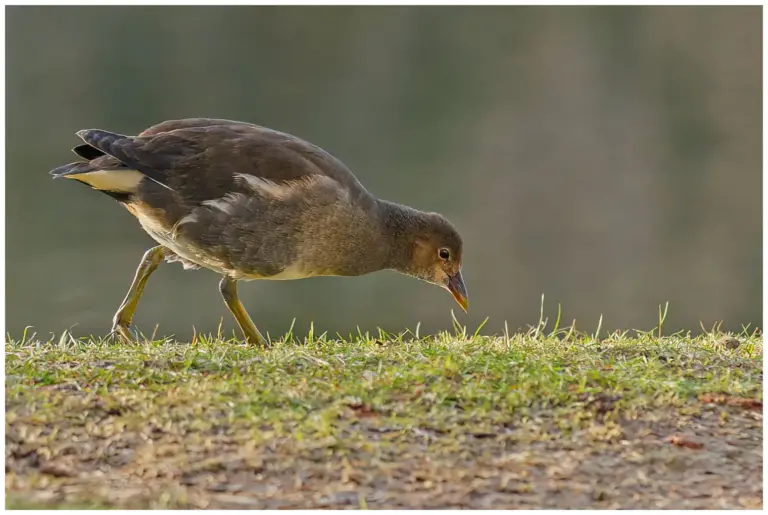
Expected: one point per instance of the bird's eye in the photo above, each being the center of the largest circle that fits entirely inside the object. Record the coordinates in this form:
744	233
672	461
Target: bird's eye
444	253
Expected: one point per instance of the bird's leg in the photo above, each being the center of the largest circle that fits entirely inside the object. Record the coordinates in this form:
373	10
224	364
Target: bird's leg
228	289
121	322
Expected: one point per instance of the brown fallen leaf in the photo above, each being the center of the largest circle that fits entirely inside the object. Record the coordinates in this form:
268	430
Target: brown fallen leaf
362	409
746	403
56	469
484	434
602	403
730	400
684	441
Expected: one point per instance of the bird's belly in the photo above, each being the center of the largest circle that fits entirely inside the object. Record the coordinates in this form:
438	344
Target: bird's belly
189	252
163	234
296	270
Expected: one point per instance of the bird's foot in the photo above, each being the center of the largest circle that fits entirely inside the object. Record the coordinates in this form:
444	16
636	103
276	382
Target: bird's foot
125	333
254	337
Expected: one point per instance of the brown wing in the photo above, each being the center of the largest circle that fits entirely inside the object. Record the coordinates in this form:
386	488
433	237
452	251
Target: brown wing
199	158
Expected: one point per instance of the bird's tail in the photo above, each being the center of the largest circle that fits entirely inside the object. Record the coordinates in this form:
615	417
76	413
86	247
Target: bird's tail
102	171
115	180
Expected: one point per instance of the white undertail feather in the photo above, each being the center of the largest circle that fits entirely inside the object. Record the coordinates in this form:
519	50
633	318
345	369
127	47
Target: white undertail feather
114	180
125	181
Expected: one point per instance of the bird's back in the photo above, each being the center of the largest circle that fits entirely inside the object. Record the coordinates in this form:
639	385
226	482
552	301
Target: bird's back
231	196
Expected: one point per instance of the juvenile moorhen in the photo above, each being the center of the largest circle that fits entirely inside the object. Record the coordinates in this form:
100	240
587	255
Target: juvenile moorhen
253	203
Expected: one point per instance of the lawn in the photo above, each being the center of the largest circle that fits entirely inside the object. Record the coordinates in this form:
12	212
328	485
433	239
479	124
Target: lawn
531	420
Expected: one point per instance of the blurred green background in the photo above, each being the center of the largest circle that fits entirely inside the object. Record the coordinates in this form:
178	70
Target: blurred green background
606	157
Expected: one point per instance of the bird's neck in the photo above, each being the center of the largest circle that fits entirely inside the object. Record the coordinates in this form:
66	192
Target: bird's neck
384	242
399	225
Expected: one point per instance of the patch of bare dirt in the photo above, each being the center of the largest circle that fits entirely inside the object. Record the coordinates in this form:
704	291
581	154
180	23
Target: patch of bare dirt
710	458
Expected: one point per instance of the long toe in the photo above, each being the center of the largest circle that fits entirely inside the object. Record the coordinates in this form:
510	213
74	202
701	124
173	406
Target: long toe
125	333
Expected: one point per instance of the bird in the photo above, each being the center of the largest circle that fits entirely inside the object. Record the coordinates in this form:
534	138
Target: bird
250	203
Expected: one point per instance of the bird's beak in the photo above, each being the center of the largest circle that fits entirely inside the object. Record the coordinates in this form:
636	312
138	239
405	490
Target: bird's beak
456	286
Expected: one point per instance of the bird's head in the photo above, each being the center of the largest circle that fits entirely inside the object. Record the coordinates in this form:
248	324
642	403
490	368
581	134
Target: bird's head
436	255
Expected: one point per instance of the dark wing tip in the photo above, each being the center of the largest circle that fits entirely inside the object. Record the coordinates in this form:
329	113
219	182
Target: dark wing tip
87	152
69	169
98	138
59	171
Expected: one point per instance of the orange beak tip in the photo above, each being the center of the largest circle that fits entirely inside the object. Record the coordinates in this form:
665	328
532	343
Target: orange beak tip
458	290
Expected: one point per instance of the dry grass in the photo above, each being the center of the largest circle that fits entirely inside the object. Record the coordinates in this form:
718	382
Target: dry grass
529	421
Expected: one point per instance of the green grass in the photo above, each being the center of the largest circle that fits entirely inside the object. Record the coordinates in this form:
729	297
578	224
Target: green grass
533	420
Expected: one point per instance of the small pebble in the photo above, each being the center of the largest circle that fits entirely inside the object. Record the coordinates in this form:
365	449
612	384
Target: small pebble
729	342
